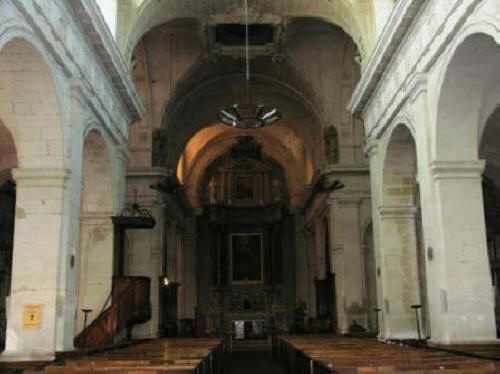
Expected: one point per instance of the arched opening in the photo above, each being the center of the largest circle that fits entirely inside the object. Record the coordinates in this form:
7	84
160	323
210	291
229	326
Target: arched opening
223	187
8	161
31	113
465	125
95	258
489	151
401	248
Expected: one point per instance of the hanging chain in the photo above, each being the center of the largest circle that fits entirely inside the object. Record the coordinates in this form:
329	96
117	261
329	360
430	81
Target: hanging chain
247	54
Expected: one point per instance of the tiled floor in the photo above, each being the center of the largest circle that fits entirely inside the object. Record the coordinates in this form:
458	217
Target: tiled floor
253	362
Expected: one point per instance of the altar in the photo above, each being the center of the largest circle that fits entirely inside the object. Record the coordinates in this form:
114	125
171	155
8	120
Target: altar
249	329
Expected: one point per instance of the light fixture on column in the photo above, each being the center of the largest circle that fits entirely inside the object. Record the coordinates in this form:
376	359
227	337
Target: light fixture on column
248	115
164	281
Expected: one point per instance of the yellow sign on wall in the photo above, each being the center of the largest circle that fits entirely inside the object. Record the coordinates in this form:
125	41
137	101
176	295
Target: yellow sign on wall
32	316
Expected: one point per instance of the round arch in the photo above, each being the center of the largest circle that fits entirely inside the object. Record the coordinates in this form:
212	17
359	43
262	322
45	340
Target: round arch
467	95
31	111
152	13
208	147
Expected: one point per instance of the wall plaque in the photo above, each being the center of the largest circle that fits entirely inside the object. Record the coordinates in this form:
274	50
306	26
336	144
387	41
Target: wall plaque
32	316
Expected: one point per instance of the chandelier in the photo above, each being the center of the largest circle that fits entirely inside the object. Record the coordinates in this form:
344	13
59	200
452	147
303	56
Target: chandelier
249	115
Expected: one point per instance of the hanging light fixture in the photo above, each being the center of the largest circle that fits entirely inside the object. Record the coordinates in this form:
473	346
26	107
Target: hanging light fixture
249	115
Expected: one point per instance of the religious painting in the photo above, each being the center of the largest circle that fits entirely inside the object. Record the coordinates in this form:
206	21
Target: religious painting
245	188
246	250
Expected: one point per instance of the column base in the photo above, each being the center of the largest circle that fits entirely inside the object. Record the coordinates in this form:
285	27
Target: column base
464	341
11	356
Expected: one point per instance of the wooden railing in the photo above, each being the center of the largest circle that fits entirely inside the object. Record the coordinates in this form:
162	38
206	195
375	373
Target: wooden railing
130	304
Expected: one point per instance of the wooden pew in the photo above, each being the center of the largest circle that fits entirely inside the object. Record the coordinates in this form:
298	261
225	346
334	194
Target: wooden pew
166	356
322	354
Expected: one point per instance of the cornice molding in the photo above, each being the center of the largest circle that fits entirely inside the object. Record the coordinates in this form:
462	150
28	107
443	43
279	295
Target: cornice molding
396	28
462	169
146	172
397	211
40	177
88	15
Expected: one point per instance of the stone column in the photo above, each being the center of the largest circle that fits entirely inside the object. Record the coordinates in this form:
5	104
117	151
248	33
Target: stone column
466	304
319	246
145	246
376	169
311	271
300	260
96	264
399	271
189	281
38	241
344	214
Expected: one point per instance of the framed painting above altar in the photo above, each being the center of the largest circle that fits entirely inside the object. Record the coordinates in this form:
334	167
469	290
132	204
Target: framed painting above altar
247	258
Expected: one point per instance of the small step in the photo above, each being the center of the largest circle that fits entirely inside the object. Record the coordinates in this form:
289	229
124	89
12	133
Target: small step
242	345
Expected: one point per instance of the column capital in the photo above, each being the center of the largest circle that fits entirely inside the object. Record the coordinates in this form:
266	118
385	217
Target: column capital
39	177
461	169
397	211
371	148
123	154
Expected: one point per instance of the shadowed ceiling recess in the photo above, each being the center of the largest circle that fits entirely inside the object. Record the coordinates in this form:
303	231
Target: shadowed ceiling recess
249	115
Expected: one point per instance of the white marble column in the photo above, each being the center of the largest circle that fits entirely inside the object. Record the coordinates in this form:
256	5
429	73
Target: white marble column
399	272
466	304
348	269
35	267
311	271
146	246
376	168
189	281
301	278
96	264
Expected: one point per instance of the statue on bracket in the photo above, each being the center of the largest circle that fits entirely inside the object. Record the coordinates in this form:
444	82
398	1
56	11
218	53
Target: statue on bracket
331	138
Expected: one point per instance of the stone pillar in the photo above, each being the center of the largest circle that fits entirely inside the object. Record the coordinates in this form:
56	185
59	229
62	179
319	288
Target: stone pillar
189	281
319	246
146	246
301	294
38	241
96	264
172	249
344	214
311	271
119	173
376	168
399	271
466	304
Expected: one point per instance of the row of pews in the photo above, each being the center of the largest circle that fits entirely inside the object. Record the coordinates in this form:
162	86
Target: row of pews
326	354
165	356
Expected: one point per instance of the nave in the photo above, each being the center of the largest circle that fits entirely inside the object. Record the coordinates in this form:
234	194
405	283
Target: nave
294	354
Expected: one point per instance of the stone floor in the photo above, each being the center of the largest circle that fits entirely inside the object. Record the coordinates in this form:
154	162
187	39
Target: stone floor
253	362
